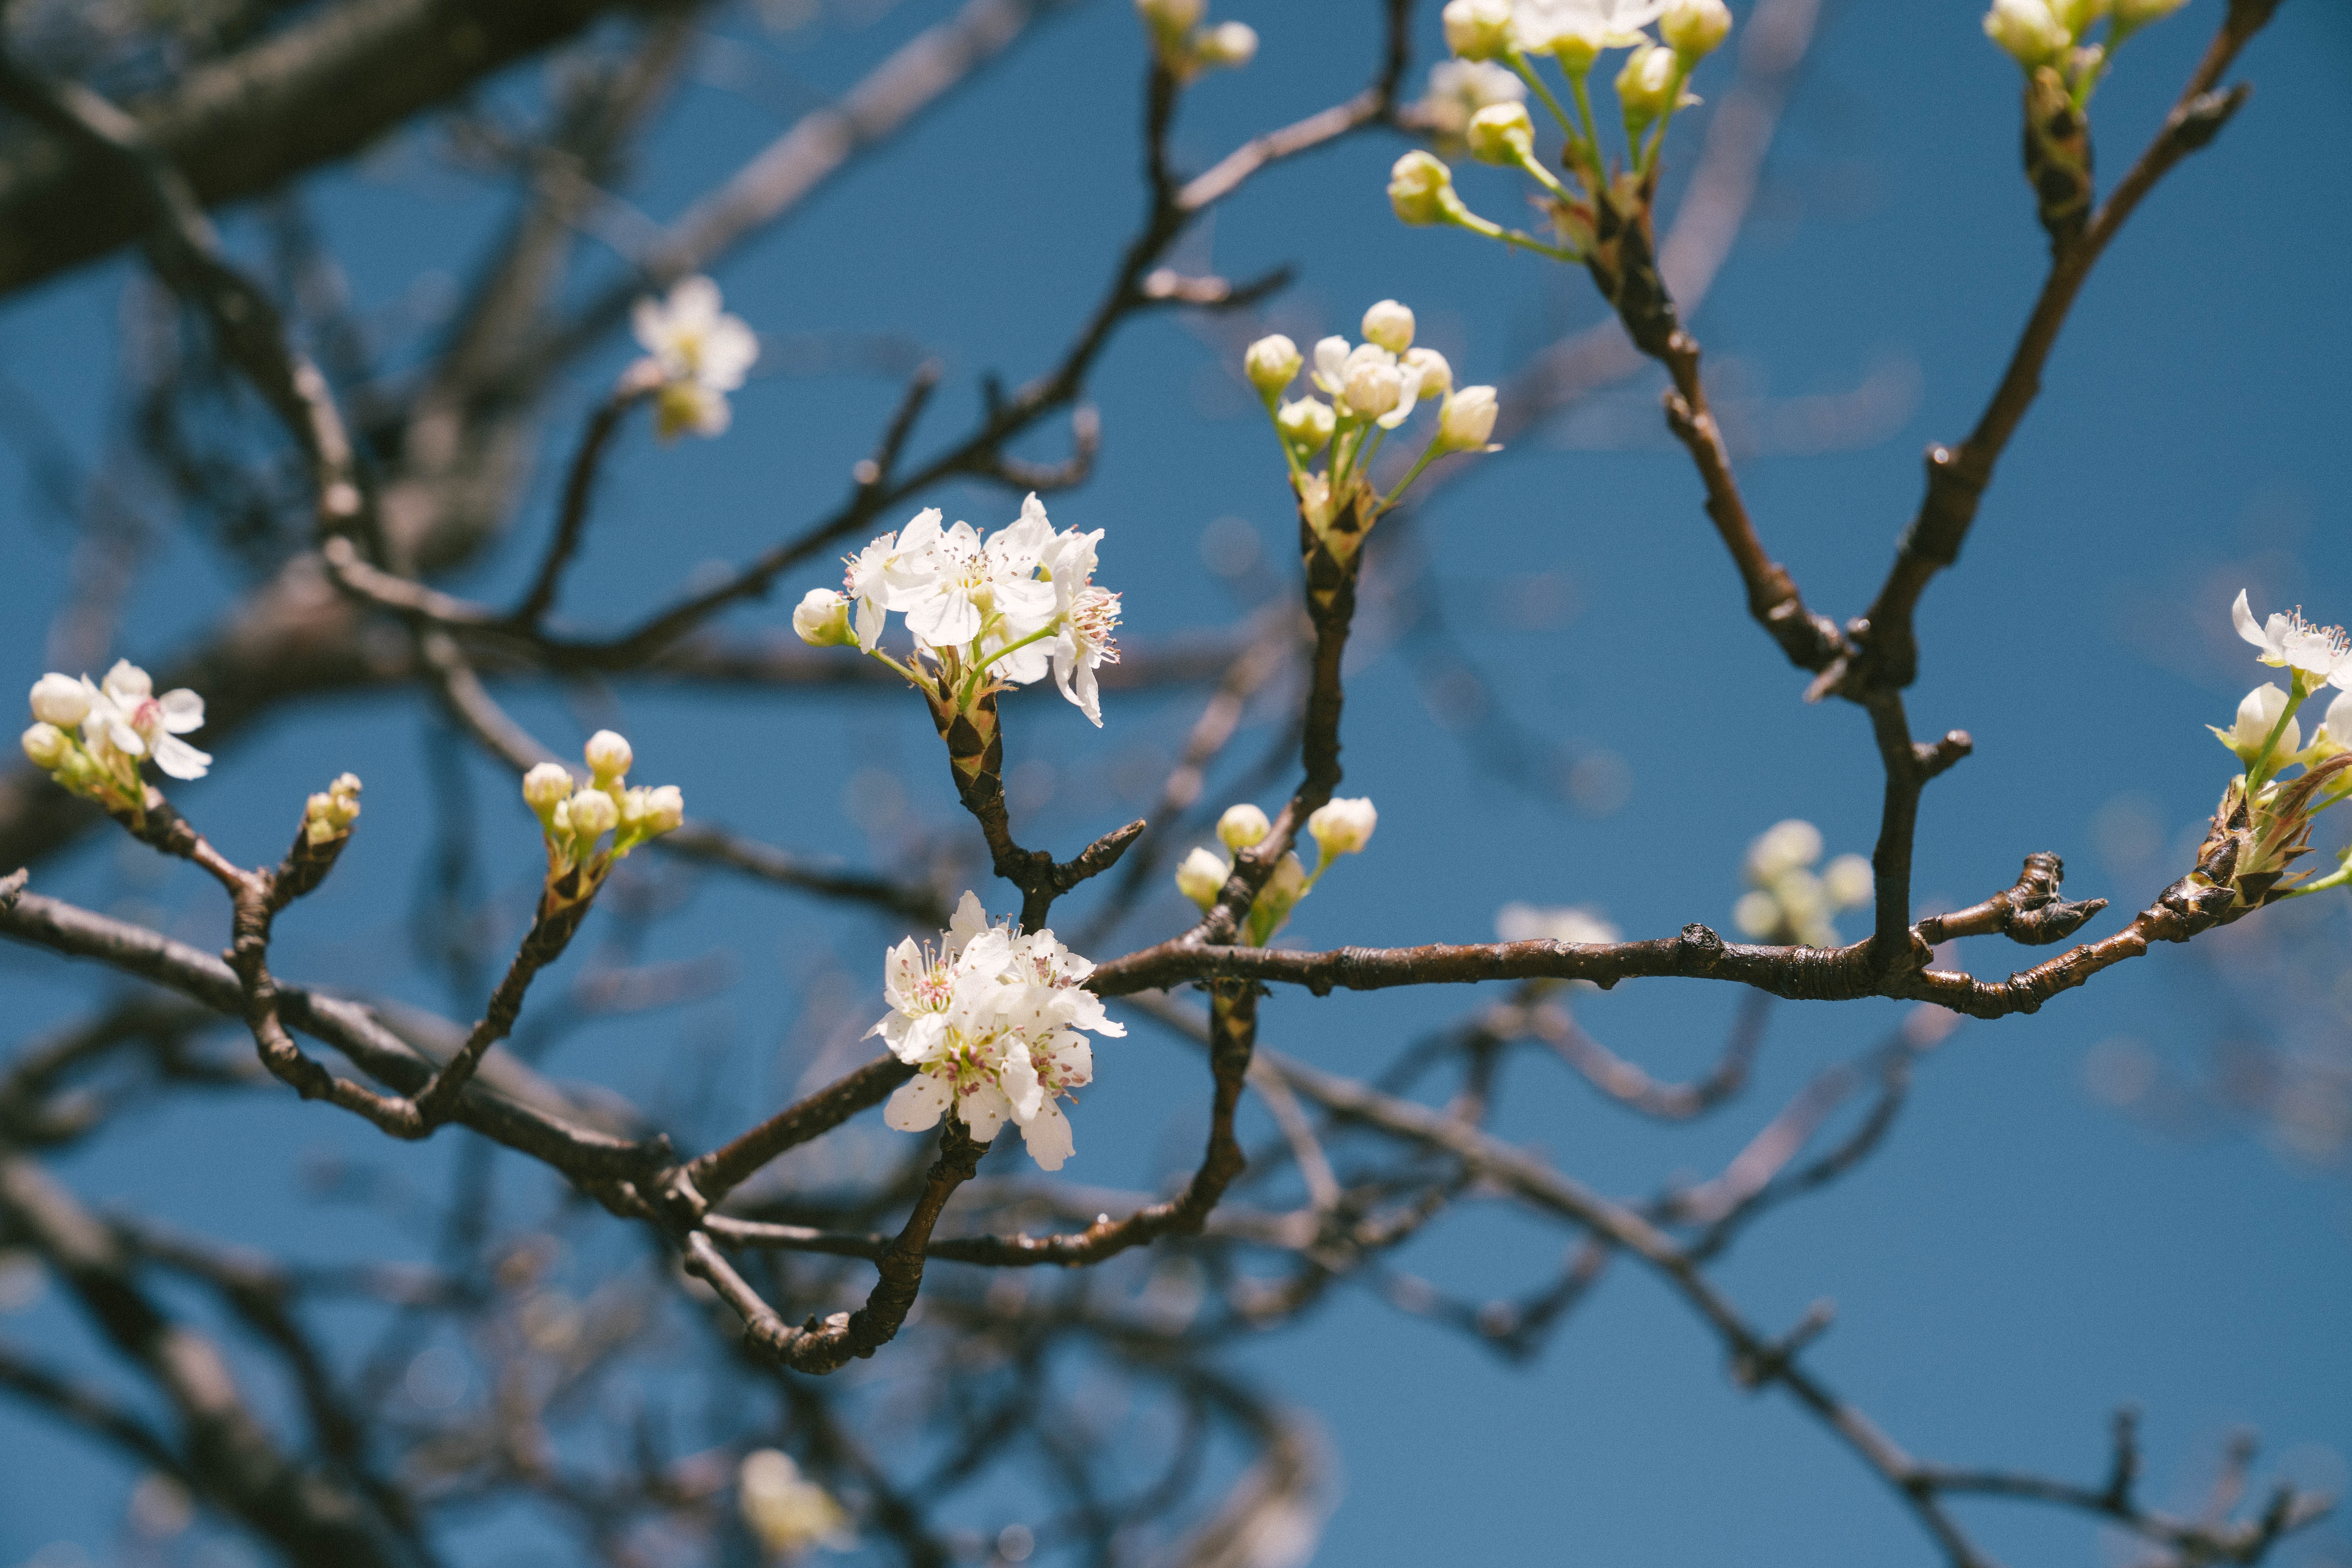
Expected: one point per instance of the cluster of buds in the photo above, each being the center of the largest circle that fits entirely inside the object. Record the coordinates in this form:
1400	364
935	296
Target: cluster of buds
2264	822
785	1511
329	815
91	736
695	356
1787	902
1598	201
576	820
990	1018
1372	388
1338	826
986	614
2052	42
1186	48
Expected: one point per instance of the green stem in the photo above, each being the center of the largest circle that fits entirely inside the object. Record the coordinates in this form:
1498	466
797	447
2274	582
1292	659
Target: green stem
2295	696
1518	63
1435	450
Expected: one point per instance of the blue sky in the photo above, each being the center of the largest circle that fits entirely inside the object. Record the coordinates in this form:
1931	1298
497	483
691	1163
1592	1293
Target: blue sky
2021	1258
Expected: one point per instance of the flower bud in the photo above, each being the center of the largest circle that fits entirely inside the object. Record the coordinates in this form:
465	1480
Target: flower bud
1848	881
546	786
608	756
1420	189
1202	876
47	746
1243	825
1781	848
1270	364
663	810
60	699
1646	87
1306	424
1436	375
1502	134
1477	29
1277	898
2028	30
594	814
1343	827
2334	732
1389	325
1229	43
1373	386
2258	715
1695	28
332	811
821	620
128	681
1466	419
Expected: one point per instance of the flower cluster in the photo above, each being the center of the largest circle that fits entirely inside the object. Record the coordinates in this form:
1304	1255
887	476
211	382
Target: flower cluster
2264	822
329	815
1372	388
1788	903
91	736
1186	48
576	820
990	1019
695	356
985	613
1338	826
1509	36
784	1511
2057	33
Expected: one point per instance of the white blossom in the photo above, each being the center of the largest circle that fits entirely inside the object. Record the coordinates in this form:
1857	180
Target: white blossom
821	620
608	755
61	701
1436	375
1389	325
123	720
547	787
1576	31
1367	381
990	1017
700	352
1271	362
2291	642
1420	189
1305	422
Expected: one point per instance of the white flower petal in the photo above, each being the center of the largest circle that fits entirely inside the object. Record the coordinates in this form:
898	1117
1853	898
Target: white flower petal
918	1104
182	710
179	759
1047	1137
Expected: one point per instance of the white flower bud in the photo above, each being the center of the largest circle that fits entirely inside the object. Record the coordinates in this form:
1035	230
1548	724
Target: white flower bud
1848	881
1477	29
1420	189
47	746
1243	825
1372	385
1781	848
1306	424
1343	827
1389	325
2257	714
608	756
1229	43
1271	362
547	787
1436	375
1466	419
60	699
821	620
1646	87
1202	876
1695	28
1502	134
2028	30
2334	732
662	811
1757	915
594	814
